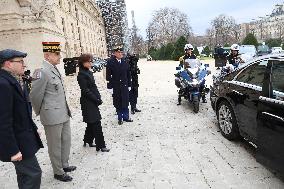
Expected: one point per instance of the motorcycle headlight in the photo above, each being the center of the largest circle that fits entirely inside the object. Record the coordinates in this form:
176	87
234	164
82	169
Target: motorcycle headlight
194	83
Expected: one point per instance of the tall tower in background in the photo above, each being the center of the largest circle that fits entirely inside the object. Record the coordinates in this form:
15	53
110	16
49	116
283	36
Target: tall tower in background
134	40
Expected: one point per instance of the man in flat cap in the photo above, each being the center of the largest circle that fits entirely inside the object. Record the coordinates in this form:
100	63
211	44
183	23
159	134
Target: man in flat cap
119	82
19	139
49	101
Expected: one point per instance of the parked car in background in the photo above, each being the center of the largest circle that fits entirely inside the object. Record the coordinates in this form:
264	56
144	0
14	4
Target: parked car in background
98	64
149	58
263	50
247	52
249	103
275	50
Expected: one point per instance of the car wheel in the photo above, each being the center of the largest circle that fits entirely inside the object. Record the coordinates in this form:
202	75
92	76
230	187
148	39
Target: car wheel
227	121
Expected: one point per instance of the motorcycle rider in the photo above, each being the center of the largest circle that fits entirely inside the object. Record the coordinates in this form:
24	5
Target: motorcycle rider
188	49
234	58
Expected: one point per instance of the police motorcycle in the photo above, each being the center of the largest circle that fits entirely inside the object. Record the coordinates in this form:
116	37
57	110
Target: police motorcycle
191	82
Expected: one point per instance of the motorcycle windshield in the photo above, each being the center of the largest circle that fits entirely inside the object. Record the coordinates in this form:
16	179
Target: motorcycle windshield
192	63
195	69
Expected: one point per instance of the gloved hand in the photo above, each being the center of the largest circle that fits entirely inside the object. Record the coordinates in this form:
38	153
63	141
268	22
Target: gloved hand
100	102
110	91
129	88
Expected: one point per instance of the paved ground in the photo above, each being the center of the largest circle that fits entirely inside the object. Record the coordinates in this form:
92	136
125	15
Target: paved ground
167	146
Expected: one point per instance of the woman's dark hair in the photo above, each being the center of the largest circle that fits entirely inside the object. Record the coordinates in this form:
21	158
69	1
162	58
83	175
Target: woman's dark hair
84	58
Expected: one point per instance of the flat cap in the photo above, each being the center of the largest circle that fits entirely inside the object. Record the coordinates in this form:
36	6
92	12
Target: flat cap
9	54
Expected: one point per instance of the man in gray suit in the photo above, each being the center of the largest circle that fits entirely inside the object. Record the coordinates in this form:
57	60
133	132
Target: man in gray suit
49	101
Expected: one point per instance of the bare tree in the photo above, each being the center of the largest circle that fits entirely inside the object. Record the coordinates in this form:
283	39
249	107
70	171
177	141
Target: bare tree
210	38
225	29
167	25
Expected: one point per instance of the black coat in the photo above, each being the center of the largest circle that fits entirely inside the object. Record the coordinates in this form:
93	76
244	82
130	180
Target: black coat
18	132
119	79
90	96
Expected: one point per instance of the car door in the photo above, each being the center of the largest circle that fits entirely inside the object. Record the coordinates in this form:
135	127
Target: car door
247	89
270	119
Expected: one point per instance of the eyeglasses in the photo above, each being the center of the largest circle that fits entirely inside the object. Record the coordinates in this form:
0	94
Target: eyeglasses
18	61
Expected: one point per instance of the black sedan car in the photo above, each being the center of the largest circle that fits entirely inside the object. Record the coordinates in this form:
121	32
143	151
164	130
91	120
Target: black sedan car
249	103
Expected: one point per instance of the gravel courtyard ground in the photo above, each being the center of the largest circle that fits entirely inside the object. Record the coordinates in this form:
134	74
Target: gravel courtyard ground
167	146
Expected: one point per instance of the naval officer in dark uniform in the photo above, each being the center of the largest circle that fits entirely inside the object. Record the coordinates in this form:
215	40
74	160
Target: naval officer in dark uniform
119	83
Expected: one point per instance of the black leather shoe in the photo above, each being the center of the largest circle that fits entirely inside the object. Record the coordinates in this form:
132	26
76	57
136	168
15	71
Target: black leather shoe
128	120
105	149
69	169
63	178
137	110
132	111
120	122
90	144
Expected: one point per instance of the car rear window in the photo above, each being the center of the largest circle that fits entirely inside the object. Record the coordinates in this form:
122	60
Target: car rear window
278	77
254	74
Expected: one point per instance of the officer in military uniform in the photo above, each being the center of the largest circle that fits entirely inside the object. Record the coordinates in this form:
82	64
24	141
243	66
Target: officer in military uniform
119	83
133	93
233	58
49	101
188	49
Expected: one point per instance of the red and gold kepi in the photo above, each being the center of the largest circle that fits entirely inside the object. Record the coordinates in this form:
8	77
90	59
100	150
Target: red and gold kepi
53	47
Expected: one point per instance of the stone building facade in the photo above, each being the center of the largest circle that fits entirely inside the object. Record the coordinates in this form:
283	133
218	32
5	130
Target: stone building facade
77	24
266	27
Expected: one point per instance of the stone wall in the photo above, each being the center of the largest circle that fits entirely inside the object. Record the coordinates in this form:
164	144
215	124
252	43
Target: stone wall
78	25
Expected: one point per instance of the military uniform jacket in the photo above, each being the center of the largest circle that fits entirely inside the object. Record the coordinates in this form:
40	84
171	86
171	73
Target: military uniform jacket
48	96
90	96
119	79
18	132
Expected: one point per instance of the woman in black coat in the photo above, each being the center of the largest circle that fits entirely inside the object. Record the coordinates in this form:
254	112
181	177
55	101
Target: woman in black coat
90	101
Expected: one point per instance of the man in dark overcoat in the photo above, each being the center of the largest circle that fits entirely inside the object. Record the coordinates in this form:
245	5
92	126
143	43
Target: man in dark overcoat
134	70
119	82
19	139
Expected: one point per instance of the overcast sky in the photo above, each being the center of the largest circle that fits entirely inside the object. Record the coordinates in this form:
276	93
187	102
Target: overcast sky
200	12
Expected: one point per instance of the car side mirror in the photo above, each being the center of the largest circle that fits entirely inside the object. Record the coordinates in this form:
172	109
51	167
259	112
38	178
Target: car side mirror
178	68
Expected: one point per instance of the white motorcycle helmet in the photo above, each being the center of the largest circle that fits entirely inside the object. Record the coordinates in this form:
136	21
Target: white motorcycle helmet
235	47
188	46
